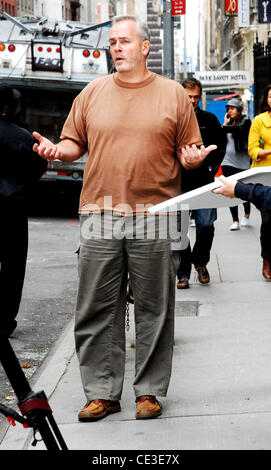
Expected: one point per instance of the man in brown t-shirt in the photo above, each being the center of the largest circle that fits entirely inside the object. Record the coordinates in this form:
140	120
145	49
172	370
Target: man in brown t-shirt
136	126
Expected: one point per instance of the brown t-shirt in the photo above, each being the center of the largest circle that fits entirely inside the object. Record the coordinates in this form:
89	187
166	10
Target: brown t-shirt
133	133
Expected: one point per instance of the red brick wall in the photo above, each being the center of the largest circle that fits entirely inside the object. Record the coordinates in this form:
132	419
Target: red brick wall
9	6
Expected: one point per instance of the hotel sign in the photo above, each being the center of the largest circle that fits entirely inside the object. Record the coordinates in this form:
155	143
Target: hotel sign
238	78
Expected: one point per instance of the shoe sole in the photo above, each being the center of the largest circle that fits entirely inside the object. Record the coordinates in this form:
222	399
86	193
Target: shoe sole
204	282
148	415
108	411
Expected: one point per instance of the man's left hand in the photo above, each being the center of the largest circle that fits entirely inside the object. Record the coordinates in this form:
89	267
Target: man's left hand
192	157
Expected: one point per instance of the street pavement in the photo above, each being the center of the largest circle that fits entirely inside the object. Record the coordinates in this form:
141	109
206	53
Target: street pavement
220	392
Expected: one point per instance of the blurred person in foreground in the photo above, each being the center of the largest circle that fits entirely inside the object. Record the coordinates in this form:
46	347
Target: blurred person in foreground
19	169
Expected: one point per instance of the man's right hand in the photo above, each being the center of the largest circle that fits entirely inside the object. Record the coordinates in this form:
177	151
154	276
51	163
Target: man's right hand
46	148
227	188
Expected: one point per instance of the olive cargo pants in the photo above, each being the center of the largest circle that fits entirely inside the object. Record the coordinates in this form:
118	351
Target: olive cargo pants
104	263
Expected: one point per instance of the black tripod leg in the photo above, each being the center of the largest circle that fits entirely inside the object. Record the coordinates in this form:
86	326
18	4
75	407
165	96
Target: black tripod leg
58	434
46	434
34	406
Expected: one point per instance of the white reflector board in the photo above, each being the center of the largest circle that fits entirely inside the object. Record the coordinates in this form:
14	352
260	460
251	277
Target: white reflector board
204	198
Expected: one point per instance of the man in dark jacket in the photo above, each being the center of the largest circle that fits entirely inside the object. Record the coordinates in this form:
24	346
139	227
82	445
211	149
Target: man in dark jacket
211	132
20	167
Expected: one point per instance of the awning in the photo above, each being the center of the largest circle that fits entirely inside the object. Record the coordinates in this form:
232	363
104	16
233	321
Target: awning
226	97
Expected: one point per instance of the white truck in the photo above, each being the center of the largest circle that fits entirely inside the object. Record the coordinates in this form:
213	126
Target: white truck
50	62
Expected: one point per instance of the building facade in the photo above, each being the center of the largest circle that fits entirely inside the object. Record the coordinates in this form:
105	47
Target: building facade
26	7
9	7
226	46
95	11
72	10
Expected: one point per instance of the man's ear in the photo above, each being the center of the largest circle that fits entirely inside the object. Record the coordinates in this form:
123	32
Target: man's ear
145	47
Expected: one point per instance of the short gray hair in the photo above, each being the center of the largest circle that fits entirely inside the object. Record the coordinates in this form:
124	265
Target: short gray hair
142	28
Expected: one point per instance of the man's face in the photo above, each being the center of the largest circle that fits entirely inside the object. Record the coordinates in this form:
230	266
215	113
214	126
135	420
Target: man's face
194	95
127	48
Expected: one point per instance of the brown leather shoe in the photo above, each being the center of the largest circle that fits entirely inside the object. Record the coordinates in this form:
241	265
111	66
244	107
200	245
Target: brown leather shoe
147	406
97	409
183	283
266	269
203	275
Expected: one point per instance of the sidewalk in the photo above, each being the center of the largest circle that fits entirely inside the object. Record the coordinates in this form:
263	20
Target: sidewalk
220	391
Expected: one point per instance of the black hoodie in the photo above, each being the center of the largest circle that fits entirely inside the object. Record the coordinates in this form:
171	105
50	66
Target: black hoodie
20	166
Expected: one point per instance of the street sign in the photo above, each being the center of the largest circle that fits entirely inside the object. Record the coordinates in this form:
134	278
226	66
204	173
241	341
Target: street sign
264	11
177	7
243	14
222	78
231	7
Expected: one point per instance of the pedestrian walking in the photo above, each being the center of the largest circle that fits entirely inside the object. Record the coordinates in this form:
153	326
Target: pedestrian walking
259	149
236	125
20	168
211	132
137	127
